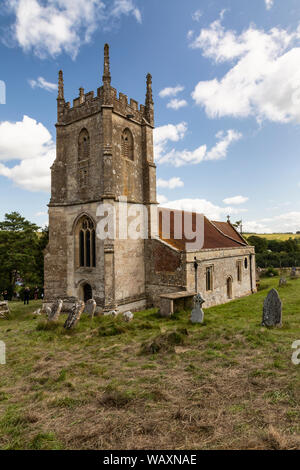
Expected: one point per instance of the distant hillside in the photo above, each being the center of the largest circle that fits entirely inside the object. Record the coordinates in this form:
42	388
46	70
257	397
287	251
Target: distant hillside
273	236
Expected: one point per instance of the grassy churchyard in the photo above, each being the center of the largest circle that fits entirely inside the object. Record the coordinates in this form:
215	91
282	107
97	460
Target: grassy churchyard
153	383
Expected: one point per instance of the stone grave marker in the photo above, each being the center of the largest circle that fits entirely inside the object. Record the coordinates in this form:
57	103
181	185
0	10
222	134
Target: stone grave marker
272	310
90	308
74	315
282	282
128	316
4	310
55	310
197	315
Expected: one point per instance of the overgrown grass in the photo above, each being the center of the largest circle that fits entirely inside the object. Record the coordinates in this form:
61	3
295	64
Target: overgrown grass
154	382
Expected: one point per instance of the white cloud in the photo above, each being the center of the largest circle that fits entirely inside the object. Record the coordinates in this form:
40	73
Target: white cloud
203	206
126	7
197	15
235	200
286	222
42	83
176	104
172	183
269	4
264	80
41	214
190	34
161	199
164	134
177	158
51	27
170	91
31	144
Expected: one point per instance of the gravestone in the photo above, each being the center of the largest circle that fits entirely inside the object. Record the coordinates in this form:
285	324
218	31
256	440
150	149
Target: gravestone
90	308
128	316
197	315
55	310
112	313
74	315
4	310
293	273
272	310
282	282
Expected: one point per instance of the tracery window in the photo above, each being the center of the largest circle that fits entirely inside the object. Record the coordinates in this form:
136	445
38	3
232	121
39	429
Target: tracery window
87	242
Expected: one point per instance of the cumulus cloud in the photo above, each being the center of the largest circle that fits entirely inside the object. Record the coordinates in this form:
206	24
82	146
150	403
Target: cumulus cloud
177	104
42	83
170	91
269	4
172	183
202	206
177	158
263	79
161	199
235	200
197	15
286	222
31	145
51	27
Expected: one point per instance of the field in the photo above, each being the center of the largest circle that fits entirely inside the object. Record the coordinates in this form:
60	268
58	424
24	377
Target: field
153	383
274	236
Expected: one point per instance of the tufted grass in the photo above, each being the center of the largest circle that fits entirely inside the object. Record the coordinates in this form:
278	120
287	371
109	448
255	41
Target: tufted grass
154	382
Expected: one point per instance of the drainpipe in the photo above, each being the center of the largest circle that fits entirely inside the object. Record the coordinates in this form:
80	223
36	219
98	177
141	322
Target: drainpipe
251	280
196	274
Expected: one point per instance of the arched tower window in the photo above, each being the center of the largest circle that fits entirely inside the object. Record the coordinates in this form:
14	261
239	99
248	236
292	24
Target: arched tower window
127	144
83	158
86	235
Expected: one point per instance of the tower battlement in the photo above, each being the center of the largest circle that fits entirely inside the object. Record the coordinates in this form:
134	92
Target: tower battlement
89	103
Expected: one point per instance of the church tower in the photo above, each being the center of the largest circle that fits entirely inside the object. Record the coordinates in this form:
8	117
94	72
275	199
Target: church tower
104	156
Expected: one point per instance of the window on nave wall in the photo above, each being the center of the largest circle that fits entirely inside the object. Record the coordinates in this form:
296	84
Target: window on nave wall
127	144
86	243
83	158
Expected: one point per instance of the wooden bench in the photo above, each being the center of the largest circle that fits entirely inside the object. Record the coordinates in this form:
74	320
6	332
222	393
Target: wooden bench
175	302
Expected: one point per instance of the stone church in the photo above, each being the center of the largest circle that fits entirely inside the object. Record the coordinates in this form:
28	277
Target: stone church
105	156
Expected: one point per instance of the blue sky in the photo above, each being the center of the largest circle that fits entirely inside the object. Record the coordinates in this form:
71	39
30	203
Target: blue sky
226	80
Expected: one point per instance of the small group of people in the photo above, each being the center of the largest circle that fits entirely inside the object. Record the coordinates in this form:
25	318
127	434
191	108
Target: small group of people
26	295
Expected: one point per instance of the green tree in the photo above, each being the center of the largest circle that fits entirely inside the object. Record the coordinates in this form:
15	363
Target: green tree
20	251
260	243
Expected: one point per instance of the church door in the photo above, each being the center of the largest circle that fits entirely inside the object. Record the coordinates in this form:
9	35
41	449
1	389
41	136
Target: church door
87	292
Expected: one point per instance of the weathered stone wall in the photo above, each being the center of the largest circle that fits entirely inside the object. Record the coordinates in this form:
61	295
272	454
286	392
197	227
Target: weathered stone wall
165	270
224	265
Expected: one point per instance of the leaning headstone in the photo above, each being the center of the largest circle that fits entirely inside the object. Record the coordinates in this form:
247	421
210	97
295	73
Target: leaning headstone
47	311
74	315
272	310
197	315
90	308
112	313
128	316
55	310
282	282
4	310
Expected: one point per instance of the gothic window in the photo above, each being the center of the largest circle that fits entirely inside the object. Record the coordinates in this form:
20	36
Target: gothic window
209	278
83	158
86	243
127	144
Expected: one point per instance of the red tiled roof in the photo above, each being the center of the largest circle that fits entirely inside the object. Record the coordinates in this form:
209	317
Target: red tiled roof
216	234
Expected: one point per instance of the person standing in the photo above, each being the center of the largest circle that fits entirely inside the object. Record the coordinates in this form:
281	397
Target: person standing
5	295
36	293
26	295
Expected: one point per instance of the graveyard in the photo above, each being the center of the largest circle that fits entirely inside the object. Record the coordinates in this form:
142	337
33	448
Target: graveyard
153	382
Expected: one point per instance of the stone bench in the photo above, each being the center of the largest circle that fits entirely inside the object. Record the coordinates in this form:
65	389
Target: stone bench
175	302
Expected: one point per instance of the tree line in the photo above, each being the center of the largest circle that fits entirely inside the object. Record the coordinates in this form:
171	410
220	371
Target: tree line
275	253
22	245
